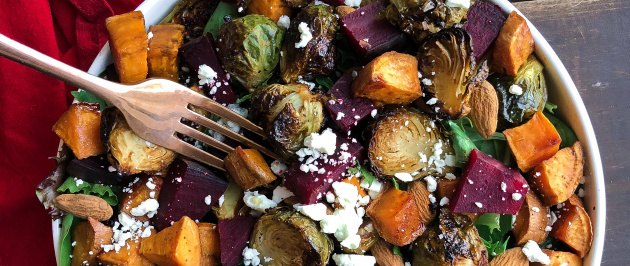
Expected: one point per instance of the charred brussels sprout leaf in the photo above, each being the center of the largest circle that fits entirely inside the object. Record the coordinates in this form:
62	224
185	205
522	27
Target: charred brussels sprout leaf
316	58
454	241
516	109
249	49
420	18
405	140
445	63
287	113
193	15
290	239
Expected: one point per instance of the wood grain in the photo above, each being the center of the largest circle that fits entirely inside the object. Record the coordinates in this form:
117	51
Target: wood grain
591	38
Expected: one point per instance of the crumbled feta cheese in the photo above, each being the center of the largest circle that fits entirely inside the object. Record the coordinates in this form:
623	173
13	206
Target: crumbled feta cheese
340	115
148	207
535	209
432	101
427	82
548	228
534	254
250	256
146	232
316	211
305	35
221	199
206	75
444	201
516	89
516	196
405	177
149	35
78	182
431	183
257	201
450	176
208	200
373	189
353	3
503	186
280	193
284	21
353	260
278	167
479	205
326	142
458	3
347	194
581	193
150	184
432	198
267	259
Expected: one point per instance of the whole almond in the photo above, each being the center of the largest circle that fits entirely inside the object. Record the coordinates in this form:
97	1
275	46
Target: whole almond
384	254
484	109
84	206
421	196
511	257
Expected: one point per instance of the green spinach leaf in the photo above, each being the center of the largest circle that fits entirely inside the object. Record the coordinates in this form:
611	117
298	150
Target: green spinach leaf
493	229
109	194
84	96
566	134
365	172
65	250
325	82
216	20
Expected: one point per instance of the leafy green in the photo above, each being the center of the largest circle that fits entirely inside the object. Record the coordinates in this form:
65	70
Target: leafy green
325	82
84	96
395	183
493	229
109	194
566	134
550	107
396	251
244	98
465	139
66	239
216	20
348	59
365	172
461	142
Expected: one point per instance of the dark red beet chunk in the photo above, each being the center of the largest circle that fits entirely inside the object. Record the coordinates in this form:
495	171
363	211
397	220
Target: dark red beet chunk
184	192
233	236
96	170
369	35
345	110
484	23
335	2
310	187
199	52
481	189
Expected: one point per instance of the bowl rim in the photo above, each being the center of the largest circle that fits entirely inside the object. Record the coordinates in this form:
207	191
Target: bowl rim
155	10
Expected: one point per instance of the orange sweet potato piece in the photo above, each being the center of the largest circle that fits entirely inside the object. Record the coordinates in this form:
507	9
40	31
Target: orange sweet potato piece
163	47
272	9
556	178
533	142
513	45
248	168
396	217
573	227
88	237
80	129
391	78
421	196
128	255
128	42
210	249
445	188
560	258
147	187
531	220
178	244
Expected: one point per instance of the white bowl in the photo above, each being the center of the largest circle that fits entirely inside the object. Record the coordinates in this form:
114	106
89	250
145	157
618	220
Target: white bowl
561	89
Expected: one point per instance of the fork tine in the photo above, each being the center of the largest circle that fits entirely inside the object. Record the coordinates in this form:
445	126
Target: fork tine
201	120
198	135
195	153
222	111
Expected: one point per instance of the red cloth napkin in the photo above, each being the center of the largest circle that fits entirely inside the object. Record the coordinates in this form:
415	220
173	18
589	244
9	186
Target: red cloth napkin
30	103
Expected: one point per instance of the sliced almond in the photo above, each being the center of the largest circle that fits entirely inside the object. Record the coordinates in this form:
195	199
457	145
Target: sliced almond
384	254
511	257
84	206
484	109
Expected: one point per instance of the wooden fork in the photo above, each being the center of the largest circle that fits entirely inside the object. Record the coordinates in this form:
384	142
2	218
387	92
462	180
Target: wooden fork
154	108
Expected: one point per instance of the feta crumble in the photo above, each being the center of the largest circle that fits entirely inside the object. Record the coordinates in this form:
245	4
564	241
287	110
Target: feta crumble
250	256
258	201
280	193
284	21
206	75
516	89
353	3
316	211
516	196
353	260
534	254
208	200
148	207
405	177
305	35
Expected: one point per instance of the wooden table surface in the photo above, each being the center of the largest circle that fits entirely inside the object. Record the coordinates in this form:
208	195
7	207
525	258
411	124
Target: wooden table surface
592	38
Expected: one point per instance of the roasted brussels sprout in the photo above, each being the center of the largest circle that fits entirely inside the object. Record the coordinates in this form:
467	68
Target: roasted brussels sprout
297	3
249	49
193	15
407	141
445	64
420	18
305	58
290	238
126	151
288	114
454	241
521	96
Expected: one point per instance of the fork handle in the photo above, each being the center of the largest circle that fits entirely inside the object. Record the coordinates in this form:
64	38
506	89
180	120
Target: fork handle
27	56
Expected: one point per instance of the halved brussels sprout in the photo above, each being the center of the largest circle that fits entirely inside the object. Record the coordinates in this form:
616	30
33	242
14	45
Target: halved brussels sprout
126	151
193	15
288	114
407	141
420	18
517	105
445	64
290	238
249	49
454	241
307	61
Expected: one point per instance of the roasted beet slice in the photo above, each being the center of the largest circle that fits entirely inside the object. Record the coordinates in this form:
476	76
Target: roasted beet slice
483	25
311	186
233	236
370	35
345	110
189	189
95	169
200	52
488	186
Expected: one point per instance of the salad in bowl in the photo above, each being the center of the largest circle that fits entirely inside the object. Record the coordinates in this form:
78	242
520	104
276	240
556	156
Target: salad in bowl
409	133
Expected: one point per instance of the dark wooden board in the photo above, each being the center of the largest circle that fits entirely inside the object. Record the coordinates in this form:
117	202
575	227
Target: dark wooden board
592	38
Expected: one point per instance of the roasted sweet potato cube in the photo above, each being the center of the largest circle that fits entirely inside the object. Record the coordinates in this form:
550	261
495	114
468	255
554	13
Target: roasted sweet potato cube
421	196
178	244
533	142
560	258
128	42
531	220
88	237
573	227
248	168
445	188
272	9
513	45
396	217
391	78
147	187
163	47
556	178
210	244
129	255
80	129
